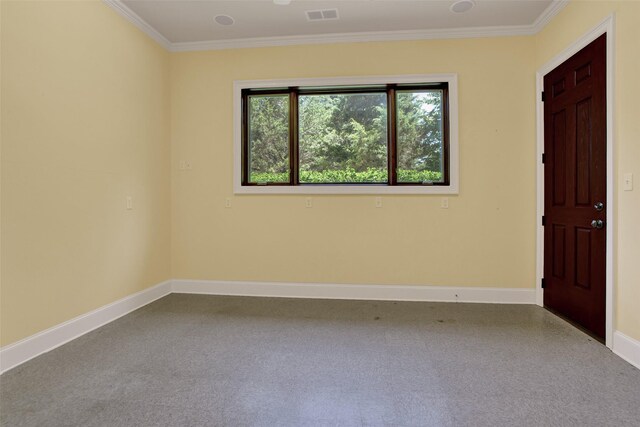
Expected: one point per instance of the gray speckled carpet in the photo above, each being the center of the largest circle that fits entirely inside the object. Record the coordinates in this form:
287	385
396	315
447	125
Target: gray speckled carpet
193	360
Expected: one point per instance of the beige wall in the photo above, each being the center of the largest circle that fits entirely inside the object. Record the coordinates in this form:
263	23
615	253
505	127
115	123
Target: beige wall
574	21
85	123
90	105
485	238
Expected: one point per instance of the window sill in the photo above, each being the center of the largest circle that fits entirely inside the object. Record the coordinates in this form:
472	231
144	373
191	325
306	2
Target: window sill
346	189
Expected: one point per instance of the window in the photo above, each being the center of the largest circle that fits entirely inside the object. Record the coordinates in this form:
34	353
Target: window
336	136
268	132
342	138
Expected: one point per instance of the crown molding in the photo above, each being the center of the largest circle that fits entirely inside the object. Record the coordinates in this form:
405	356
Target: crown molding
133	17
548	14
375	36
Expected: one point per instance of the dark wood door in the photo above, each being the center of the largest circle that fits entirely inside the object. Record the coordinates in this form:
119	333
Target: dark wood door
575	185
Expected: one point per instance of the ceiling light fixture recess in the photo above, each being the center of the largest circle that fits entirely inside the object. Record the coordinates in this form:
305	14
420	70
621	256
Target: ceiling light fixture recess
462	6
224	20
282	2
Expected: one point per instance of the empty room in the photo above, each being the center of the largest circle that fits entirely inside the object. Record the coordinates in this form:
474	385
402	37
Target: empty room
319	213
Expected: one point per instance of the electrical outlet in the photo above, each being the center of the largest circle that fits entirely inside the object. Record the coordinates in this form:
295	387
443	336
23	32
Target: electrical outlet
129	203
308	203
444	203
184	165
227	202
378	202
628	182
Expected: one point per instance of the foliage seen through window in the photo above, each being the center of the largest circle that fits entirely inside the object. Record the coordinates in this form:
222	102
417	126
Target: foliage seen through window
346	136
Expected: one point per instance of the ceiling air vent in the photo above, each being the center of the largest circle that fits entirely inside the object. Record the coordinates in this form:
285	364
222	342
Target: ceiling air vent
322	15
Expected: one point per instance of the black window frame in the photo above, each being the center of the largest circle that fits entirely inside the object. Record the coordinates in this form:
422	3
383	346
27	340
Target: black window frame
392	162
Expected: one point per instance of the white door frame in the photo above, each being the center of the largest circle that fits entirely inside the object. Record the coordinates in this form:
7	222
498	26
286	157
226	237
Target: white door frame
606	26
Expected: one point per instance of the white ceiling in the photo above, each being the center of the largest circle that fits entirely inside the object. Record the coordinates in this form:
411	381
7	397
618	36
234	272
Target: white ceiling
189	24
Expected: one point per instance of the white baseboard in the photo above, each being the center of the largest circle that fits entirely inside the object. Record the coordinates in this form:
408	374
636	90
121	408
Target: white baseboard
627	348
42	342
358	292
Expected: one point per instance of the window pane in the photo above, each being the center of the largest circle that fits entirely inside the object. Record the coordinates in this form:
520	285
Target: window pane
420	136
343	138
268	138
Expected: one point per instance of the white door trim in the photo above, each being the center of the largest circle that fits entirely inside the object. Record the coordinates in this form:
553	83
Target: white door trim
607	26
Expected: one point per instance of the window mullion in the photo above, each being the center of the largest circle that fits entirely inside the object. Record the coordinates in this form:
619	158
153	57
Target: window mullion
245	138
294	178
445	134
392	161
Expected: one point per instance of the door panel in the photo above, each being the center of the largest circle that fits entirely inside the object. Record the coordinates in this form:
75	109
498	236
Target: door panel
559	238
559	161
583	257
575	180
583	152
